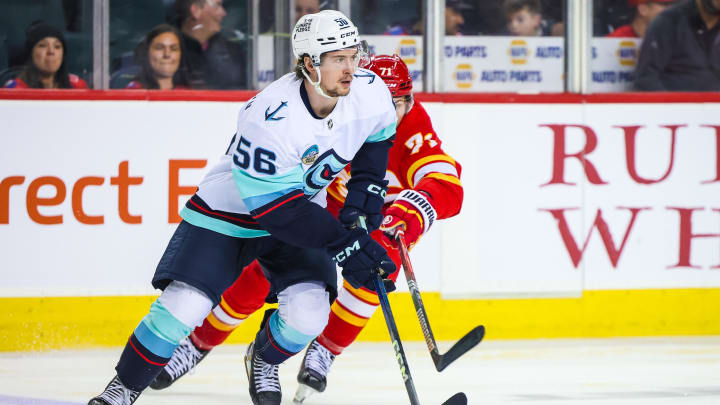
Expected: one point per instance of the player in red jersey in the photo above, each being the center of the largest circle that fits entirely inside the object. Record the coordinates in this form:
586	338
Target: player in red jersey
424	186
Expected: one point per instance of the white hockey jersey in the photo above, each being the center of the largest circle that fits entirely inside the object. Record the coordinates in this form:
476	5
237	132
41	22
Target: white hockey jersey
280	147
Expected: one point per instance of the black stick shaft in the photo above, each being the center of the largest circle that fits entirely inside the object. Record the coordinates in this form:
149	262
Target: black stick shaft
395	339
417	300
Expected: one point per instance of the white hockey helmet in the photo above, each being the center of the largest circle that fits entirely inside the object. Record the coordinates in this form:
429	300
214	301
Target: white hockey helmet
326	31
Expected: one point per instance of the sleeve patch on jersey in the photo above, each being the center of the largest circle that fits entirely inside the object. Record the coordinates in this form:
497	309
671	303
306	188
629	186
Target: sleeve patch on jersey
385	133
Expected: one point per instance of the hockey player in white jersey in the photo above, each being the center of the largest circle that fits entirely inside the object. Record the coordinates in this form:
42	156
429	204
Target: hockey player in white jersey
265	200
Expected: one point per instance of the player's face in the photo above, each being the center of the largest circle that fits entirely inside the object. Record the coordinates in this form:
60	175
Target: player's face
164	54
336	71
524	23
47	55
402	105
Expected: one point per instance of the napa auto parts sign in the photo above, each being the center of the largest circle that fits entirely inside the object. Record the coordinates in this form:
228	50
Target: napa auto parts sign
560	197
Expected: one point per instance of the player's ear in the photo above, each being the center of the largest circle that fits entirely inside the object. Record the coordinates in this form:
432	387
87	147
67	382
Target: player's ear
308	64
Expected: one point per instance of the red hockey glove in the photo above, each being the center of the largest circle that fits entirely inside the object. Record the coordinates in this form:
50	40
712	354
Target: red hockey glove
412	213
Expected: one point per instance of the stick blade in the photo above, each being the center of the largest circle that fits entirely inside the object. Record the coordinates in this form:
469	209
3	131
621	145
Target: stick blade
458	399
470	340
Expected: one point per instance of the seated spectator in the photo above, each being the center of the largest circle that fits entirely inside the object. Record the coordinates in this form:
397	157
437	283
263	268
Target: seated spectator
159	57
303	7
524	18
453	21
680	50
645	11
45	66
212	60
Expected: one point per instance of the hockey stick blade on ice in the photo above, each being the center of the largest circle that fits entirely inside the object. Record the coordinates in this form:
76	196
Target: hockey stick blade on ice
457	399
470	340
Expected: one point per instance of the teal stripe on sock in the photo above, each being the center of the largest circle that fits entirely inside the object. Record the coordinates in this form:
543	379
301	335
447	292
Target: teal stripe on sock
163	325
286	336
153	342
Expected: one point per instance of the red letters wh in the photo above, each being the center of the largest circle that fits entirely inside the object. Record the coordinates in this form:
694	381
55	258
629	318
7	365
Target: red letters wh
559	154
686	237
602	227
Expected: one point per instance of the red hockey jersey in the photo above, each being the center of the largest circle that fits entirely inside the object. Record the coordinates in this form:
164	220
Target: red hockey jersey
416	161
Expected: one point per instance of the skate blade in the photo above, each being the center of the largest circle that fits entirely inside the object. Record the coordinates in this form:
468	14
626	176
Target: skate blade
302	393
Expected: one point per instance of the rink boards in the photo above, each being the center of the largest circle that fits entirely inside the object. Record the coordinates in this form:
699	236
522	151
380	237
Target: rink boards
583	216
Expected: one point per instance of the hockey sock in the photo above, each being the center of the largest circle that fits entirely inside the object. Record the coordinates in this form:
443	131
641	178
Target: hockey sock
277	341
348	316
245	296
150	347
218	325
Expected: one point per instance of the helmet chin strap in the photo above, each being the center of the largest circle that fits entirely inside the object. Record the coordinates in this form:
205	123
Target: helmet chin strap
710	7
316	84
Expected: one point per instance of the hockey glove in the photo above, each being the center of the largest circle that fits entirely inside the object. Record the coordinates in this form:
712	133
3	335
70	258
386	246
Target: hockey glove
364	198
359	256
412	213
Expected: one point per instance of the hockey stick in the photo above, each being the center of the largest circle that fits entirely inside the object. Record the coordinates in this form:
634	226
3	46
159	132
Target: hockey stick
457	399
470	340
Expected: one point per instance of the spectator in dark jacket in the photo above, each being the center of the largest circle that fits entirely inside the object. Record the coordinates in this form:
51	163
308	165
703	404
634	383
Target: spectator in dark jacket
681	49
213	61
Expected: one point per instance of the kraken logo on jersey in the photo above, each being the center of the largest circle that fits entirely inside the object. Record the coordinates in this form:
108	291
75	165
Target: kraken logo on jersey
270	116
327	166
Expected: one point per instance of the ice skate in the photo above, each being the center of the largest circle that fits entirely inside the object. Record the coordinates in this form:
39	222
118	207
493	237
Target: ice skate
115	394
312	376
263	380
183	360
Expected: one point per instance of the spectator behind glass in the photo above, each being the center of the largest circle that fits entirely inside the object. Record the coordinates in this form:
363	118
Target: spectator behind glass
645	11
681	49
212	60
45	66
303	7
453	21
524	18
159	57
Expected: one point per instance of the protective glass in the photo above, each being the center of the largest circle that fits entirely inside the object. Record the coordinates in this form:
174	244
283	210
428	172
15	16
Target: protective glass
358	59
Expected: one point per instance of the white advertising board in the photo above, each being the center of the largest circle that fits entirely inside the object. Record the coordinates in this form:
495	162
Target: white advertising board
498	64
639	208
87	189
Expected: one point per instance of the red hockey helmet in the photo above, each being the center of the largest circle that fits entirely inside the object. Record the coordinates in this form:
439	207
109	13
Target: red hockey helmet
394	73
